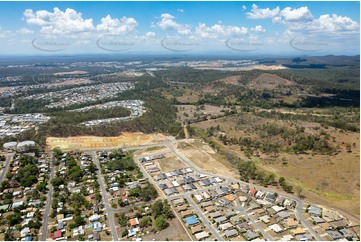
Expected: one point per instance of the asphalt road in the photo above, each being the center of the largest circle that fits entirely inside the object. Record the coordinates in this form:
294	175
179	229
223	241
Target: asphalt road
9	157
48	202
265	235
204	219
110	212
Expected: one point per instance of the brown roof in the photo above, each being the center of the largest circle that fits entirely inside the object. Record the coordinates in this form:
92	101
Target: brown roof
325	226
211	208
291	223
196	229
206	204
186	213
230	197
182	208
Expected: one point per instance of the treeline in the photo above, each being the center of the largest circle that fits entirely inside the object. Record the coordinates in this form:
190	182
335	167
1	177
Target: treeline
345	122
67	117
294	140
249	171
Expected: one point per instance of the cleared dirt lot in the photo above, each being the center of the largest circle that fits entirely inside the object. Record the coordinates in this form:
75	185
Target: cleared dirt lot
169	164
206	159
70	73
175	232
95	142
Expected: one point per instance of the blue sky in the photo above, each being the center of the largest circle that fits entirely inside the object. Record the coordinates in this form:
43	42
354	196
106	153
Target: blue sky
254	27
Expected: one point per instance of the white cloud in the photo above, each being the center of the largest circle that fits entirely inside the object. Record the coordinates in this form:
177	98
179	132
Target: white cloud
258	28
59	22
25	31
116	26
297	14
4	33
277	15
331	25
150	34
167	23
244	7
219	31
180	10
262	13
334	23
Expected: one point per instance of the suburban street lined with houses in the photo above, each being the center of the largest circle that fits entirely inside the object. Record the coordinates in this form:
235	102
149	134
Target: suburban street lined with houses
189	202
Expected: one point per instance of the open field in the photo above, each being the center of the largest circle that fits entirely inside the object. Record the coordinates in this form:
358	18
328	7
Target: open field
94	142
206	159
175	232
332	180
188	112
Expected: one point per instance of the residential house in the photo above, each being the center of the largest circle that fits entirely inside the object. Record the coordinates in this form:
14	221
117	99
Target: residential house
315	211
196	229
231	233
276	228
225	226
243	227
335	235
251	235
201	235
221	219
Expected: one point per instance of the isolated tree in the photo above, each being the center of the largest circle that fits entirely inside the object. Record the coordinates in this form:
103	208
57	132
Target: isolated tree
298	190
161	222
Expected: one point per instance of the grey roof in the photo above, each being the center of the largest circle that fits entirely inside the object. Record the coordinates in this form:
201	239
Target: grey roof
334	234
303	237
251	235
271	197
174	190
231	232
348	233
314	210
317	219
168	191
220	219
243	225
163	186
283	214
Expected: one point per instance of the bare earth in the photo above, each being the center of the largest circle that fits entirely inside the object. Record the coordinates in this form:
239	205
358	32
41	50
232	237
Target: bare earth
170	163
71	82
175	232
206	159
126	139
70	73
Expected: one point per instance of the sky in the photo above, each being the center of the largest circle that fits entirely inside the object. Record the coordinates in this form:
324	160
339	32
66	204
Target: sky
268	28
